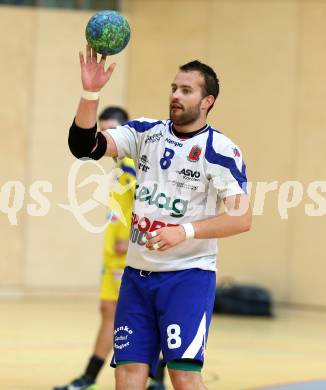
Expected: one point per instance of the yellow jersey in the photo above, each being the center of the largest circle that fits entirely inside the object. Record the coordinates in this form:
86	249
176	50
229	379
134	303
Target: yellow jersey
120	206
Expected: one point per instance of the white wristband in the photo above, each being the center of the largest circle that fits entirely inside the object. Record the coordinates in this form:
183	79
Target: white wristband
189	229
88	95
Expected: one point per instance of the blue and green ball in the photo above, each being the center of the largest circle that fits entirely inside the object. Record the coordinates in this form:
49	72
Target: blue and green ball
107	32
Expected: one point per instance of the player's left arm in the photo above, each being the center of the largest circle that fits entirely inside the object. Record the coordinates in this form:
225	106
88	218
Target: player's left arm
235	220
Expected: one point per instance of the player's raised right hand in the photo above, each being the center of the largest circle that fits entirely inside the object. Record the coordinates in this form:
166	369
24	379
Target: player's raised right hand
93	73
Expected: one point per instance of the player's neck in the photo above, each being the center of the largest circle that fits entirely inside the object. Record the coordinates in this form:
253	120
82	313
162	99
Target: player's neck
198	124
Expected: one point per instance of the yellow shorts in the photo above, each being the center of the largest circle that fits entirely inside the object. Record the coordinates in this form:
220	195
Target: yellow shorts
113	268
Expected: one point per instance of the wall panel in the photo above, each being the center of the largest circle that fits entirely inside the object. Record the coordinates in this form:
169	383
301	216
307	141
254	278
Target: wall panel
165	35
16	84
60	252
308	258
253	45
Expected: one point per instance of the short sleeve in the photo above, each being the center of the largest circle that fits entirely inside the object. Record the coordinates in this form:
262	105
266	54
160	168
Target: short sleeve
228	171
128	137
126	140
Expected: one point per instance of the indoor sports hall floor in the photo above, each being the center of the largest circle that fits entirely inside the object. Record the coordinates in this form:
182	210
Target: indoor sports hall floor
45	341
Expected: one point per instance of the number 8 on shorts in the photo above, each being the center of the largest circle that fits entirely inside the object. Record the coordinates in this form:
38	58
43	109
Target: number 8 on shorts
174	339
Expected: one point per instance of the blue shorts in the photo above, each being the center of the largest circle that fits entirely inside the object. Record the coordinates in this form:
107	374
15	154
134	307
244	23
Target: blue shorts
163	311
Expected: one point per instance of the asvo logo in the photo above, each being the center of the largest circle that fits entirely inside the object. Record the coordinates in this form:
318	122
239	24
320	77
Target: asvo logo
189	174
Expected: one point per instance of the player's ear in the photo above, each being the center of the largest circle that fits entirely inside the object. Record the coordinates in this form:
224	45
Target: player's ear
207	102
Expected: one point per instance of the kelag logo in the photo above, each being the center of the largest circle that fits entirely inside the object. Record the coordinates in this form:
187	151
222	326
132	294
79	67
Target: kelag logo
177	207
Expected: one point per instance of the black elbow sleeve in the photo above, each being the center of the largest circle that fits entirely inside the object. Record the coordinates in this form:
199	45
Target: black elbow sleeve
100	149
86	142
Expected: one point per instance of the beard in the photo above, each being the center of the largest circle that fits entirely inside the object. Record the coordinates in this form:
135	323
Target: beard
183	117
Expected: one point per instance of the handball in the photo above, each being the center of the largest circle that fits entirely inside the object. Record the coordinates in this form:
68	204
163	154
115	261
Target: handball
107	32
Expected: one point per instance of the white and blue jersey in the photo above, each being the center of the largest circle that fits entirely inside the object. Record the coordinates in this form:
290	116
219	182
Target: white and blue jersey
179	181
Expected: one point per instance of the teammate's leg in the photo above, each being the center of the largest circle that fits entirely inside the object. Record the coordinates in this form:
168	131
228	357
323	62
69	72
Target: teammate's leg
109	290
157	383
104	340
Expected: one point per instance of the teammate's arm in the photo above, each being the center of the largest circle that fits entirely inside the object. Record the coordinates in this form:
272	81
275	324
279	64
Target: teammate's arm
84	140
121	247
236	220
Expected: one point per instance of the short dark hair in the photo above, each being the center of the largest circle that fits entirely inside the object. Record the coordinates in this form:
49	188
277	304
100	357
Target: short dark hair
114	112
211	84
